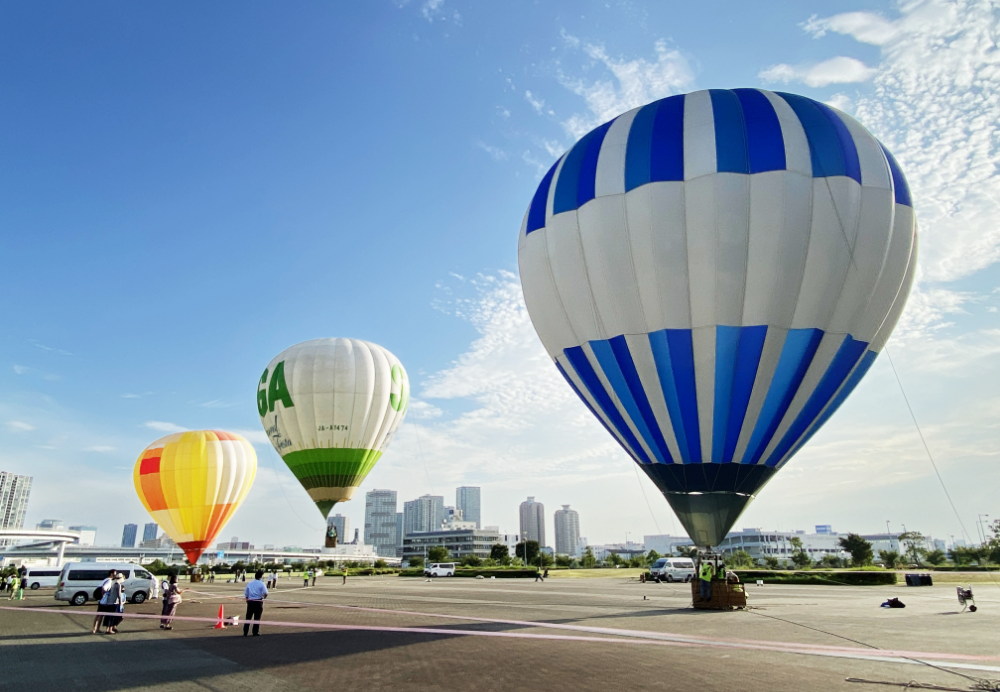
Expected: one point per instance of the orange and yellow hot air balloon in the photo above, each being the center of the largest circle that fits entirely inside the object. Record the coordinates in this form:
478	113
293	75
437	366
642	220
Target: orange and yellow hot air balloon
192	482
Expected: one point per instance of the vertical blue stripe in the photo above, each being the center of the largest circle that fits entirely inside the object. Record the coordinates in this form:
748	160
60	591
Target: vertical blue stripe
666	157
578	359
730	133
605	355
567	184
751	346
624	357
796	355
536	212
847	355
727	340
831	146
588	165
637	151
665	370
765	143
899	184
859	372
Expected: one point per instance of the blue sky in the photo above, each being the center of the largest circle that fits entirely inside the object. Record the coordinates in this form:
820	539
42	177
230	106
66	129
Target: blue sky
186	190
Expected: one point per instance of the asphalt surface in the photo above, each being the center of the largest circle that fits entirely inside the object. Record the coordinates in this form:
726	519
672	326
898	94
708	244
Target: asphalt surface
447	634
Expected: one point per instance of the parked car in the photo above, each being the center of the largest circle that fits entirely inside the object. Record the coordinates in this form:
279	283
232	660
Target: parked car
79	580
440	569
670	569
36	578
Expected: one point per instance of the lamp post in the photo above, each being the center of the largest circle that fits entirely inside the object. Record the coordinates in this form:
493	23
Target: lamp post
981	527
888	535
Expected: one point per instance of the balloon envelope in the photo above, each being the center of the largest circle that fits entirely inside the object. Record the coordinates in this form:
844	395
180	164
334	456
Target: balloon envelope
331	407
192	482
714	273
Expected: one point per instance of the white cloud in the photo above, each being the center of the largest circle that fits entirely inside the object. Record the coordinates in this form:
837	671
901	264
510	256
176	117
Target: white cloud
866	27
841	101
135	396
49	348
421	410
553	148
99	448
537	104
257	437
497	153
163	426
19	426
21	369
216	403
432	9
632	83
839	70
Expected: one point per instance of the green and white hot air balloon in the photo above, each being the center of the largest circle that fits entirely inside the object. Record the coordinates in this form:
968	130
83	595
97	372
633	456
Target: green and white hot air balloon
330	408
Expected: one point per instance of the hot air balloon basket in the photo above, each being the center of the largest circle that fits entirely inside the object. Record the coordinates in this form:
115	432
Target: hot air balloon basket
725	596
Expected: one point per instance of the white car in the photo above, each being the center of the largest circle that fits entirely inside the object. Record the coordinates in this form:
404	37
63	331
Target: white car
37	577
440	569
670	569
79	581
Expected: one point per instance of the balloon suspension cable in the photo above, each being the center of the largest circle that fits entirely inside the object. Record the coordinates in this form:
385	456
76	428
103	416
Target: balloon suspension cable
423	461
638	478
270	454
931	456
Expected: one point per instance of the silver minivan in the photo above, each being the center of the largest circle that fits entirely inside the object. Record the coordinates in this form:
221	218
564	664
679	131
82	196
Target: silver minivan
671	569
79	580
38	577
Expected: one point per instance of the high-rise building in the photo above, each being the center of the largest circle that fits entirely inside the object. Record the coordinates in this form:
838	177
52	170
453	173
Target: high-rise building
343	526
567	523
88	534
533	521
51	525
129	534
423	514
150	530
399	534
14	491
380	521
467	500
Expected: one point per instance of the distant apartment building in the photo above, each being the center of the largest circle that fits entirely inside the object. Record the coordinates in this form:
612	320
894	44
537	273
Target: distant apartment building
399	534
51	525
760	544
467	499
665	544
567	525
14	492
343	526
459	543
88	534
129	535
234	544
424	514
533	521
149	531
380	521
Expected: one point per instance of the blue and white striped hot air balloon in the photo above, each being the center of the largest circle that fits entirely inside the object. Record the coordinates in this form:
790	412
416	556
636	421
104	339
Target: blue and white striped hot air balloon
713	274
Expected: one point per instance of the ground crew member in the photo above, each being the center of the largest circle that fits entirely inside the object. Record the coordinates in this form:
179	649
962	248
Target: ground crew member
255	593
705	580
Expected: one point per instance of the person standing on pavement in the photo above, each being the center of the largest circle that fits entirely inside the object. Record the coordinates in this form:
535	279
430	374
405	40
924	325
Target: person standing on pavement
113	602
171	599
705	574
344	568
15	586
101	609
255	594
313	573
305	577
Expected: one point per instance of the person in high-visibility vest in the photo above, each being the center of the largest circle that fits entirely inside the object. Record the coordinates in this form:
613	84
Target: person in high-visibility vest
705	580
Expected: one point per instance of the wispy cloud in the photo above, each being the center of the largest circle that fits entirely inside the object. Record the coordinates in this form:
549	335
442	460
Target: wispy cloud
839	70
866	27
537	103
49	348
19	426
164	426
216	403
103	449
135	396
628	84
496	153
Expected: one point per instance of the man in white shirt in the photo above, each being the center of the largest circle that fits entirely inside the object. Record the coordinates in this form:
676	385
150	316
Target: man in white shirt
255	593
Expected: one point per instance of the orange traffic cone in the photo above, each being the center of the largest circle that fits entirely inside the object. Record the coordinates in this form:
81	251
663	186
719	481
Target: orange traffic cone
221	624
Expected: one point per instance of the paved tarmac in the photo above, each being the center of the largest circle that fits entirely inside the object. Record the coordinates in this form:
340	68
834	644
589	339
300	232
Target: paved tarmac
448	634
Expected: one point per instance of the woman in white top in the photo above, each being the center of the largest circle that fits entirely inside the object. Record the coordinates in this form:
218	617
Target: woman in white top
99	596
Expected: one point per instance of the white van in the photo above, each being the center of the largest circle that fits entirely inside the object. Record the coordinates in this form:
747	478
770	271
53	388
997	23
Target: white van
79	580
671	569
37	577
440	569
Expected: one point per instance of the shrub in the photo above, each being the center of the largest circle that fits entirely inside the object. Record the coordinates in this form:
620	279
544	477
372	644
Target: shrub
859	578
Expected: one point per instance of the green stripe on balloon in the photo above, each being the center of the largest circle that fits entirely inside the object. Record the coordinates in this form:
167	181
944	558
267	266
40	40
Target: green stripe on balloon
333	467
